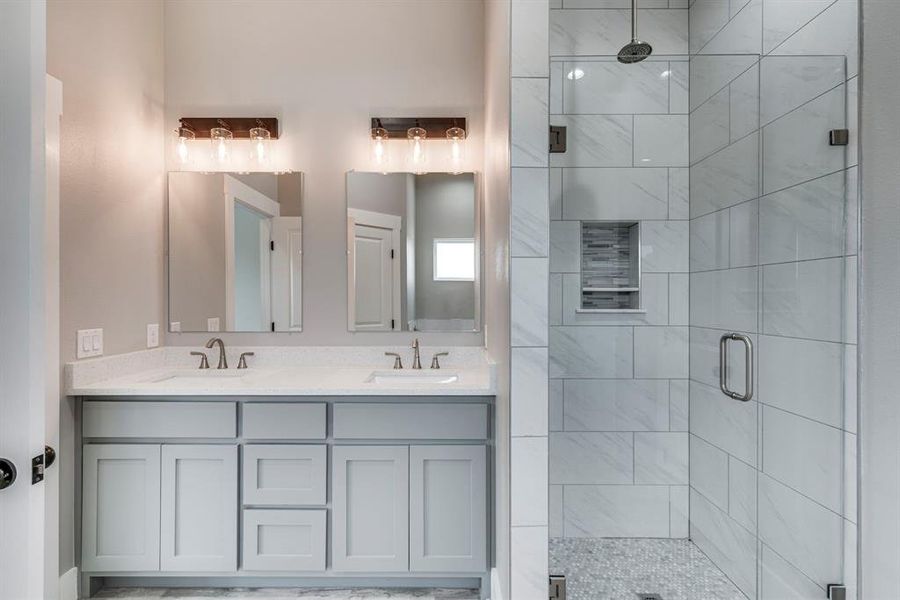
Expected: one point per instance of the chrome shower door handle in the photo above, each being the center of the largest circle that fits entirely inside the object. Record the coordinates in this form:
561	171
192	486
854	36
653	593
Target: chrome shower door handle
748	366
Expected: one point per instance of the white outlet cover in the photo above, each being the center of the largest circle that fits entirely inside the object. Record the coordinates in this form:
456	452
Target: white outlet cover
89	343
212	324
175	326
153	335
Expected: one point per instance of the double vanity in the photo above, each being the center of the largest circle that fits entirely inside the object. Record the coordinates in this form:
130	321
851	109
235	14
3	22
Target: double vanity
313	466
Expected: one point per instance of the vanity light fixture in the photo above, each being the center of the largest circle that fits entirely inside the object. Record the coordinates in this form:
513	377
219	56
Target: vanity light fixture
221	131
260	152
380	156
456	136
220	140
417	131
417	136
183	135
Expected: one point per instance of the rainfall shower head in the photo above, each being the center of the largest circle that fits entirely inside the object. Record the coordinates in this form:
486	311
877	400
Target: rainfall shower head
636	50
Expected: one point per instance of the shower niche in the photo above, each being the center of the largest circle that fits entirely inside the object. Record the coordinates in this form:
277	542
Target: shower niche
610	266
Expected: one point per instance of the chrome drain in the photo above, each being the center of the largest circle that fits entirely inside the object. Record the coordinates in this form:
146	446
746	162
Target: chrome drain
649	597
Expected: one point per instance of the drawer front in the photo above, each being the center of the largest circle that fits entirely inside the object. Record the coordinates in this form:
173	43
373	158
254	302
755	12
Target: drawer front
159	420
284	475
284	540
411	421
283	421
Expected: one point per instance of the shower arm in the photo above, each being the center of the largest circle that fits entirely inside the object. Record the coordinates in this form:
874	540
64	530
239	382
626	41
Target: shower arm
634	20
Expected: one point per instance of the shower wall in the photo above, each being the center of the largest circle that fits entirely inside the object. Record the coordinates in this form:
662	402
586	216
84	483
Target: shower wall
618	387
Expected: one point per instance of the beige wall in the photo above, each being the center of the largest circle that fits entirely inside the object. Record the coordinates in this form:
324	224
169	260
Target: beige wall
109	57
324	68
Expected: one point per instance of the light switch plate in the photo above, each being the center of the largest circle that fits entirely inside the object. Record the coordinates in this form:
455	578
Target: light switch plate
212	324
90	343
153	335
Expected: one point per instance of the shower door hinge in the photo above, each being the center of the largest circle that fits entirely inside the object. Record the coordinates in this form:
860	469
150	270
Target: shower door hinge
837	591
557	139
557	587
838	137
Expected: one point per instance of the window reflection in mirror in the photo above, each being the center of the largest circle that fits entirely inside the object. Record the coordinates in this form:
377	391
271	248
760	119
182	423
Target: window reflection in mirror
412	252
235	252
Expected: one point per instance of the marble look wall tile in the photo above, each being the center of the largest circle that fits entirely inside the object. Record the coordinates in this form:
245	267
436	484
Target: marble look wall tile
565	247
528	481
710	241
604	352
804	299
654	302
556	194
707	18
661	140
529	295
780	579
678	405
711	73
802	532
834	32
679	96
741	34
614	4
723	422
661	352
679	193
661	458
709	471
616	405
529	390
709	126
803	377
591	458
789	82
726	178
664	246
744	239
556	87
617	511
556	404
804	222
804	455
556	299
679	297
731	547
745	104
615	194
529	38
594	141
793	150
725	299
599	32
609	87
783	18
742	493
679	511
556	511
529	558
530	216
529	114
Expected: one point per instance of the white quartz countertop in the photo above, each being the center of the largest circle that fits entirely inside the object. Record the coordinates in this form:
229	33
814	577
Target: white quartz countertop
282	372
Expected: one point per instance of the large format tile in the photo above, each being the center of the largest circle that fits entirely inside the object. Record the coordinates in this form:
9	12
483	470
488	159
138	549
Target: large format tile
529	295
725	299
616	405
783	18
591	458
616	511
744	239
565	247
745	104
528	481
529	114
679	193
529	390
529	213
661	458
804	299
661	140
707	18
780	579
529	558
556	404
710	241
711	73
742	493
709	471
556	511
726	178
602	352
609	87
726	423
789	82
679	93
593	141
710	124
661	352
679	511
664	246
529	38
678	405
600	32
834	33
741	35
614	194
679	297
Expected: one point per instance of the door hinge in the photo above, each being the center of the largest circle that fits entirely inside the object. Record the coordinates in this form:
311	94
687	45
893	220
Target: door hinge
272	245
557	139
41	462
839	137
273	325
392	323
557	587
836	591
392	254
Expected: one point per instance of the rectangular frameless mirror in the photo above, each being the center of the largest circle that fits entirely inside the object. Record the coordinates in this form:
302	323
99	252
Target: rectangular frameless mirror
235	252
413	257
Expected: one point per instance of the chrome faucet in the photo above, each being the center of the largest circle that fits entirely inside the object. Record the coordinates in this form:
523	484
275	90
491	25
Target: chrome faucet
223	361
417	364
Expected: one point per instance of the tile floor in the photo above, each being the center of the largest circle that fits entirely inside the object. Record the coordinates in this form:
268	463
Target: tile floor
286	594
622	568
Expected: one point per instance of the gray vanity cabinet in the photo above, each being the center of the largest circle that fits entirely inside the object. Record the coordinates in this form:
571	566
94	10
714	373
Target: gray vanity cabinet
447	508
371	508
199	508
120	507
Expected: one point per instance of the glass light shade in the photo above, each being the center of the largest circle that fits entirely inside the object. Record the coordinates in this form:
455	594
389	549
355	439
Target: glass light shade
182	150
260	150
220	140
380	155
456	137
416	136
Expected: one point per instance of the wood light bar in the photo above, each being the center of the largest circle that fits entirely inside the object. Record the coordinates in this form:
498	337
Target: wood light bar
239	126
436	127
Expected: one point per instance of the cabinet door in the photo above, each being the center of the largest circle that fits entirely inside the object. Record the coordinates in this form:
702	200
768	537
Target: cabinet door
371	508
448	508
199	508
120	512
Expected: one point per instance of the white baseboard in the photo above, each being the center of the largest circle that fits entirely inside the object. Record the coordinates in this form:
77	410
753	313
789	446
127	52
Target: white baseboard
68	585
496	588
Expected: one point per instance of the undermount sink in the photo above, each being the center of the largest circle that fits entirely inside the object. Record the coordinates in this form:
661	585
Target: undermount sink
413	377
201	376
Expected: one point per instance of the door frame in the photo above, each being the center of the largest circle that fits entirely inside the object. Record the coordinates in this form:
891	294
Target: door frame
358	216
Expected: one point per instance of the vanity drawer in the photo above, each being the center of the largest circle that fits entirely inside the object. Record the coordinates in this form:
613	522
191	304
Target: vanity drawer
159	420
283	421
410	421
284	475
284	540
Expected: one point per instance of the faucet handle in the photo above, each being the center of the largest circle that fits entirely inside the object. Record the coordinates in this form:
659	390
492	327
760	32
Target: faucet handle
204	362
435	364
398	362
242	361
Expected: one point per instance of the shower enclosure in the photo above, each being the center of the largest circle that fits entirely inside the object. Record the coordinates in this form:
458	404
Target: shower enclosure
703	327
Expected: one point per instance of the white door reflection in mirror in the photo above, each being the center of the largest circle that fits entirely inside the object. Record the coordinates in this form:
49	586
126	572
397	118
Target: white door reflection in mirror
287	273
374	255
